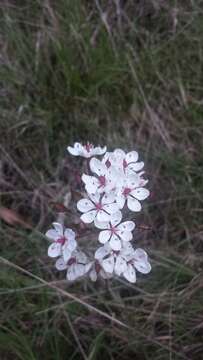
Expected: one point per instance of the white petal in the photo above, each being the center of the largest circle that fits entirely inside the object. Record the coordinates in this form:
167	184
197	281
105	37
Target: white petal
111	208
125	235
116	218
108	264
115	243
52	234
93	275
85	205
88	267
126	226
66	253
71	244
120	201
101	225
58	227
141	261
127	249
91	183
112	178
132	156
133	204
101	252
60	264
129	274
88	217
71	273
120	265
80	256
104	236
54	250
136	166
119	154
108	198
87	154
132	181
99	150
94	197
140	193
143	182
144	268
69	234
102	216
73	151
80	269
97	167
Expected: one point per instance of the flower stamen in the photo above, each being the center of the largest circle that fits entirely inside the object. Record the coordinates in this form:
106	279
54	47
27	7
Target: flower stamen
102	180
62	240
126	191
71	261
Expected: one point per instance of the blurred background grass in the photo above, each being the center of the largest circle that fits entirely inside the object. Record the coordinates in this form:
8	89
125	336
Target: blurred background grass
127	74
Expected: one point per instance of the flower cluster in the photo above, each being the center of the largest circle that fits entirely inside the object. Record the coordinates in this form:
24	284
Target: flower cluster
112	184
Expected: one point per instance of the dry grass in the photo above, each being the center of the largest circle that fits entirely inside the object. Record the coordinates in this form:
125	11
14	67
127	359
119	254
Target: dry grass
122	73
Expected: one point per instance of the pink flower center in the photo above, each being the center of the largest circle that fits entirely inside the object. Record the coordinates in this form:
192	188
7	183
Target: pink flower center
62	240
126	191
108	163
102	180
88	147
125	164
71	261
113	229
98	206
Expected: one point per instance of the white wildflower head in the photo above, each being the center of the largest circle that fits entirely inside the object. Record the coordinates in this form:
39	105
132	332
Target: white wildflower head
97	271
97	207
114	186
115	232
76	266
132	192
87	150
63	241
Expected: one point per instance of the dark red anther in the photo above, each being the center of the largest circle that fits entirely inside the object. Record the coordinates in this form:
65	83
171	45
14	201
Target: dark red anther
126	191
108	163
98	206
102	180
62	240
71	261
125	164
113	229
88	147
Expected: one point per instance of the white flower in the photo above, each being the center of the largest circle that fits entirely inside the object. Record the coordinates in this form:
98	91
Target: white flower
105	180
139	261
76	266
97	270
88	150
132	192
114	261
124	262
63	241
97	207
113	233
128	162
